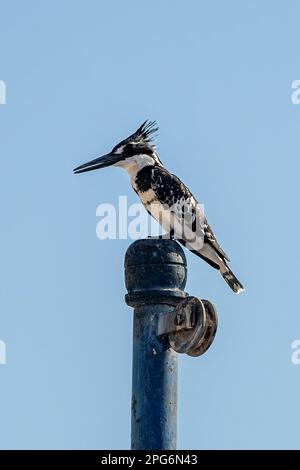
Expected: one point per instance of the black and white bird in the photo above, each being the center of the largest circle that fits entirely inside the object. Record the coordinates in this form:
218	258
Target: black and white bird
166	198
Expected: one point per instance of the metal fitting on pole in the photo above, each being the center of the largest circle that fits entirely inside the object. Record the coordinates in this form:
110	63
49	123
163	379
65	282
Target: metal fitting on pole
166	322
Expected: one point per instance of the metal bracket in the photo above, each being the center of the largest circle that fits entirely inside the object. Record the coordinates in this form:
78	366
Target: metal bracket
190	327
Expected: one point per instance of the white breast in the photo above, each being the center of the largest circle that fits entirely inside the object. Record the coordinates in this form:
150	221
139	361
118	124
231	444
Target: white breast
170	220
134	164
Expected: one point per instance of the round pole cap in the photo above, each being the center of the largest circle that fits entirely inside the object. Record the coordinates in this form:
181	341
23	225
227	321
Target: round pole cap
155	272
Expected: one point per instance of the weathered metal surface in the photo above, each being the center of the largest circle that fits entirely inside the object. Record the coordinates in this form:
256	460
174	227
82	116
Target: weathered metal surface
211	325
155	273
154	384
200	318
182	317
166	322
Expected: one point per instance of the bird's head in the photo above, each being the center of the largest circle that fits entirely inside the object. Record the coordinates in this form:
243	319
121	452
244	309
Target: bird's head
132	153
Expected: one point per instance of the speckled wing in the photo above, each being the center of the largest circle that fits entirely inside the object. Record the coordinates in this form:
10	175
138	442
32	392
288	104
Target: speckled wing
211	239
173	194
170	190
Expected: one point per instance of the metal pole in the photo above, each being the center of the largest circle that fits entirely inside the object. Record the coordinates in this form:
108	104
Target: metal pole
155	273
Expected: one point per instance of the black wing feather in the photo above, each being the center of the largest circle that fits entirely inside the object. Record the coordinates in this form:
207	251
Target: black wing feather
169	189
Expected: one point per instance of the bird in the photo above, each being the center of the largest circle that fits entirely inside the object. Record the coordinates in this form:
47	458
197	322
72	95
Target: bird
166	198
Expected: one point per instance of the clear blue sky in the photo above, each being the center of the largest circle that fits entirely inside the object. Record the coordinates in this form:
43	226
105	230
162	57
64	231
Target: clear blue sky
81	75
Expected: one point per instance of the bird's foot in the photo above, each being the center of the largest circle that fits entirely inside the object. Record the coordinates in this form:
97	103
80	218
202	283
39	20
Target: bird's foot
165	236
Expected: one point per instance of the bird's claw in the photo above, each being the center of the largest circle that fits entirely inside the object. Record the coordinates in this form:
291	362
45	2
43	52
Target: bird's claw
165	236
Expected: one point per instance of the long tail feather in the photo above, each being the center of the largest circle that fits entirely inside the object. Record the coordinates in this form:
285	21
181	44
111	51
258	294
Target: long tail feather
214	259
232	280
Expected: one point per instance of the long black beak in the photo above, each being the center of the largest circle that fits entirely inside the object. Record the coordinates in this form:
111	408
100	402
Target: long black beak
101	162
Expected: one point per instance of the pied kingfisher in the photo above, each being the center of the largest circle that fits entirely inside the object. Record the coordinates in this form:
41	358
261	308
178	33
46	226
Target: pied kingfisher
166	198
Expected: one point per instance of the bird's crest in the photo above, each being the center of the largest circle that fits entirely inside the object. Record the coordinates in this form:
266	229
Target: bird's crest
143	135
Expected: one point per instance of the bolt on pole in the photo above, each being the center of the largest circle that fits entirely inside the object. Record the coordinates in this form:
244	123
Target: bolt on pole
166	322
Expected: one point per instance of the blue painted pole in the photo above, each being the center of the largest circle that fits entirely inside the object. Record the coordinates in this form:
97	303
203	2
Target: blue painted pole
155	273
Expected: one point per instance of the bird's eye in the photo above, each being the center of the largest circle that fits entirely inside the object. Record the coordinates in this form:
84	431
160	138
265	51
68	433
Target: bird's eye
129	150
